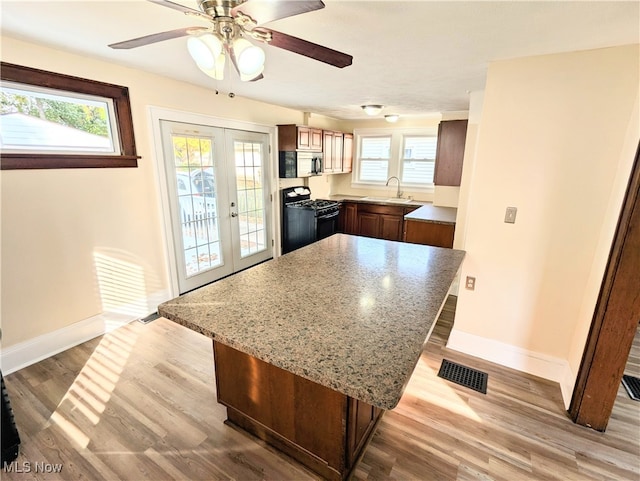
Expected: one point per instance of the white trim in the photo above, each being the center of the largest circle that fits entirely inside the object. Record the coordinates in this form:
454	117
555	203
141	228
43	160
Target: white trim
41	347
156	114
514	357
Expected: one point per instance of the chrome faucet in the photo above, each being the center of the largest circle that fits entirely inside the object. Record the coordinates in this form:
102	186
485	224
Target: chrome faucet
399	193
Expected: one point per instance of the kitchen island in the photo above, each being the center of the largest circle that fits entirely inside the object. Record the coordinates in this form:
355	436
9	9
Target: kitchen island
311	347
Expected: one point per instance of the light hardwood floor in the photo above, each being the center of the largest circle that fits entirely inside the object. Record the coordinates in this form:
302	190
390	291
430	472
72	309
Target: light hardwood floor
139	404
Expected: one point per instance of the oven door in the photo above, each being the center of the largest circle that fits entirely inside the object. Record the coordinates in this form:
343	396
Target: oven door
327	224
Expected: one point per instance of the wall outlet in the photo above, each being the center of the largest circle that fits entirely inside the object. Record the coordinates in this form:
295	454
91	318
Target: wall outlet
470	283
510	215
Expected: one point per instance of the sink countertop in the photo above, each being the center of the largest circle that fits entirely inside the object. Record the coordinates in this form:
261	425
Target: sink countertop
350	313
427	212
434	214
356	198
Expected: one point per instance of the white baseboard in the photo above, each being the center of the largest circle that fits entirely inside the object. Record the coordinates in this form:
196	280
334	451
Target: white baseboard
25	353
514	357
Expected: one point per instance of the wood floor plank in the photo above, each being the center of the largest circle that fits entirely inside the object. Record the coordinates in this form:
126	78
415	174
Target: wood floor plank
140	403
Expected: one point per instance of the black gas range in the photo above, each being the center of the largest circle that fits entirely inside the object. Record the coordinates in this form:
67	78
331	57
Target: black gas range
305	220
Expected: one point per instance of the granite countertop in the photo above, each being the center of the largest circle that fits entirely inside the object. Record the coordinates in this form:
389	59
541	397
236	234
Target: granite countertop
434	214
350	313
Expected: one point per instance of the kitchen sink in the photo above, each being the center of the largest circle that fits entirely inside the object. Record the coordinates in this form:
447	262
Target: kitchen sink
395	200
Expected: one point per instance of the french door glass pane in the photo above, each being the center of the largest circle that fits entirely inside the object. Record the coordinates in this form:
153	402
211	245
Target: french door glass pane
196	187
251	214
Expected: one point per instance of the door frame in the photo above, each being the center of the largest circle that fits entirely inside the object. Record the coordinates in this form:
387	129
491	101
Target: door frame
156	114
615	319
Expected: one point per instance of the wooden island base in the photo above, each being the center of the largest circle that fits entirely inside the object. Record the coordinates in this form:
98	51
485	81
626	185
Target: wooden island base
323	429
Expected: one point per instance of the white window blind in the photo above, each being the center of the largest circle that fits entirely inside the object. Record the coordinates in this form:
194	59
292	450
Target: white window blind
418	159
374	158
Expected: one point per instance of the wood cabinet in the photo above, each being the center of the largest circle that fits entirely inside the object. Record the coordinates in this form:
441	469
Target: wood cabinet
452	136
336	147
374	220
321	428
348	218
429	233
298	137
347	153
332	150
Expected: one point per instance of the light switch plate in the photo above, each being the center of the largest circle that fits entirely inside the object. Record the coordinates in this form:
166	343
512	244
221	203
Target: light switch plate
510	215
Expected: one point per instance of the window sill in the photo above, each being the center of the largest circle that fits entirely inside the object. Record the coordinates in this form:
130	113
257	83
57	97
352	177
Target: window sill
64	161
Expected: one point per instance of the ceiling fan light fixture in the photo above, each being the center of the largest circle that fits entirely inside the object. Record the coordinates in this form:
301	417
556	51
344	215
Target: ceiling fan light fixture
250	58
205	50
372	109
217	72
392	118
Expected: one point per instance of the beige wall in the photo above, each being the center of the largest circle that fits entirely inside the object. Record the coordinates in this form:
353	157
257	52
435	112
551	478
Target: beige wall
556	140
64	230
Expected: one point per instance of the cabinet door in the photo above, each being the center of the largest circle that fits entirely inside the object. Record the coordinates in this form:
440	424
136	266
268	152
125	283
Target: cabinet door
368	224
337	151
450	152
348	216
390	227
347	153
304	138
315	139
327	151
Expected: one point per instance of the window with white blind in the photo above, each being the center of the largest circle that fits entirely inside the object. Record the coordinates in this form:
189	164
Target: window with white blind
408	154
418	159
374	158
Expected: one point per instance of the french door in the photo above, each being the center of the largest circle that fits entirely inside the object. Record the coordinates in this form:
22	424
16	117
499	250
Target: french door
219	198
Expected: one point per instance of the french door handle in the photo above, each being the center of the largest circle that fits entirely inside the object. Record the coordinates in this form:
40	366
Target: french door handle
234	214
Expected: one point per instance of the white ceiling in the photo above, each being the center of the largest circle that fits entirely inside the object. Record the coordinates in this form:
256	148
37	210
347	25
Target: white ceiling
414	57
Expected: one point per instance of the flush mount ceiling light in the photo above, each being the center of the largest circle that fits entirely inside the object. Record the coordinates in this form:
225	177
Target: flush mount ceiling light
391	118
372	109
233	24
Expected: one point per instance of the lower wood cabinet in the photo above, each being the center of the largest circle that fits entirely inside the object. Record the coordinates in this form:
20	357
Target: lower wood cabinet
374	220
429	233
348	218
323	429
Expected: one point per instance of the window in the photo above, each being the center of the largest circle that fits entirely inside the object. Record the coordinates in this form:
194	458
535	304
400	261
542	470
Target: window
408	154
49	120
418	160
374	158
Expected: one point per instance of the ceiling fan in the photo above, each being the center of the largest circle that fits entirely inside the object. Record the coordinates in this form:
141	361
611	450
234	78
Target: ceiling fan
233	21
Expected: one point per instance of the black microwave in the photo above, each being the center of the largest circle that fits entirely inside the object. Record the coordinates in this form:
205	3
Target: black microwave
295	164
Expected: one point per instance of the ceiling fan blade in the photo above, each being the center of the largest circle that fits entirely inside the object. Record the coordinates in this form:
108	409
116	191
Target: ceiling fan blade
156	37
308	49
181	8
262	11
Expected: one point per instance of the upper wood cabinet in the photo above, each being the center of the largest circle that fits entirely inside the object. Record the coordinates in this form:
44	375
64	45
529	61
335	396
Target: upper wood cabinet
336	147
332	151
452	135
347	153
297	137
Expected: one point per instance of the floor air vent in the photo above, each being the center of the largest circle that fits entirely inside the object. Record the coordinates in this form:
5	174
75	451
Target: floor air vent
632	385
463	375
